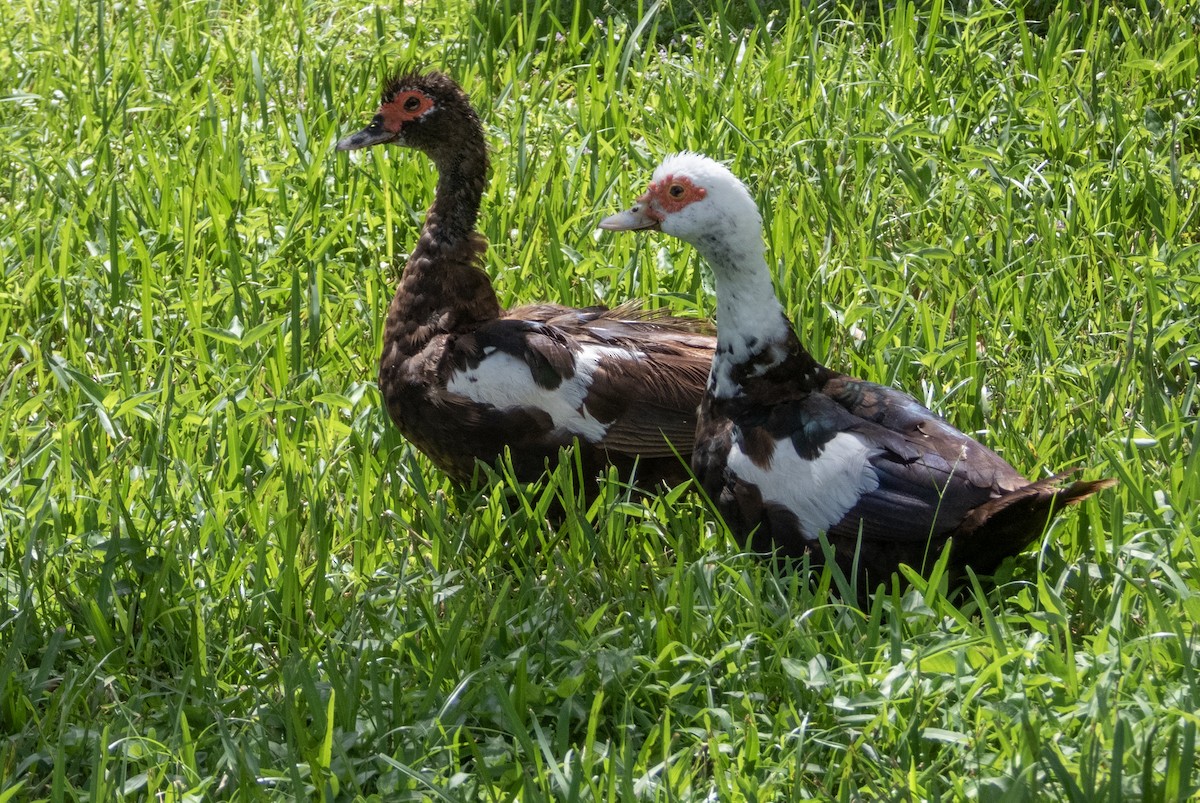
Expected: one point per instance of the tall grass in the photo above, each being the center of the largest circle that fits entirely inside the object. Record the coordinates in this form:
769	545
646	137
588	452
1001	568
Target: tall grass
225	576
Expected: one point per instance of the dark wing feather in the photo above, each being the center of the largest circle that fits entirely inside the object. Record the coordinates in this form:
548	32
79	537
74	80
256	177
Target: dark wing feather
914	500
648	400
926	432
623	321
545	349
927	481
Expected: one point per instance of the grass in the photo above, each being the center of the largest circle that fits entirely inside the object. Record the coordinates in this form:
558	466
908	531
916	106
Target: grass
224	576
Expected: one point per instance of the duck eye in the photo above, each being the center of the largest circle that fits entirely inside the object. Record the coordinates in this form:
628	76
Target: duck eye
412	103
676	190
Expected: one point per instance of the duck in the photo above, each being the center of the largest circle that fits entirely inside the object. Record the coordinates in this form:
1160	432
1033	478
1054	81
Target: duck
791	451
468	382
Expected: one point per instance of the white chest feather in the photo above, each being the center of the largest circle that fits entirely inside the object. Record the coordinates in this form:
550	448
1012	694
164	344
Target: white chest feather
504	381
819	492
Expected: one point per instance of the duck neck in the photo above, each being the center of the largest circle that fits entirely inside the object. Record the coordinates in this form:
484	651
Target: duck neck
753	334
462	178
444	287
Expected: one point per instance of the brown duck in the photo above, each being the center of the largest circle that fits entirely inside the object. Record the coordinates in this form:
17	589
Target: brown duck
465	380
790	450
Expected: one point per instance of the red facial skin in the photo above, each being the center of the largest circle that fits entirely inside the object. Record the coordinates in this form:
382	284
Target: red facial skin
406	106
669	195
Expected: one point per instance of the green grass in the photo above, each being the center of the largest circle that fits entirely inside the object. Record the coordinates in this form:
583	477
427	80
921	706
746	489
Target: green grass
224	576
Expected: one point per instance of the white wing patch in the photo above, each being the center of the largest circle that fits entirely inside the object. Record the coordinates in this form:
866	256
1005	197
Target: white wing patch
504	381
820	492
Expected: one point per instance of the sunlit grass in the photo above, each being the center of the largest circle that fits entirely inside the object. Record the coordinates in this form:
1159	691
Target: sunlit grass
225	576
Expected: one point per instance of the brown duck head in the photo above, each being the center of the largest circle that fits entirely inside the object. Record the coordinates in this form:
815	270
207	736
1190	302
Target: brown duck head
426	111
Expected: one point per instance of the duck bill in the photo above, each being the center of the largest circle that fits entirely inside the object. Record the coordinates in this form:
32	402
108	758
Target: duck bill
371	135
629	220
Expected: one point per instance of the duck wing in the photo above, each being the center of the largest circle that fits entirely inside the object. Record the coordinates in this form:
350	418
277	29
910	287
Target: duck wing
651	380
846	476
625	385
901	414
854	459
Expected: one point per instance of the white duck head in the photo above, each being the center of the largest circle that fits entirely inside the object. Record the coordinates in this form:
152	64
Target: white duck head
701	202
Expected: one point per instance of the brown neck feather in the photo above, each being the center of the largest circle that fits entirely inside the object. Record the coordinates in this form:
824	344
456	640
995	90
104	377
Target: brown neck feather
444	287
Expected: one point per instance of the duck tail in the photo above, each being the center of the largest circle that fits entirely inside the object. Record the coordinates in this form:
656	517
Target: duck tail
1004	526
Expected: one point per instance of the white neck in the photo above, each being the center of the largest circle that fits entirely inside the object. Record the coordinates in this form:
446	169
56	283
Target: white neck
749	315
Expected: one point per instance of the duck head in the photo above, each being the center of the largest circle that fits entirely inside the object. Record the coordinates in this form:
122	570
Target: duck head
426	111
700	201
689	197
